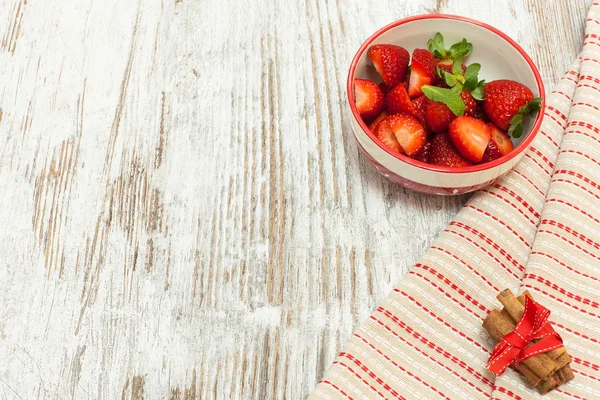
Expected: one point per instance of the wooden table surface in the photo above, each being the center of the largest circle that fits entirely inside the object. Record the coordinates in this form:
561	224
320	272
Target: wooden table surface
183	210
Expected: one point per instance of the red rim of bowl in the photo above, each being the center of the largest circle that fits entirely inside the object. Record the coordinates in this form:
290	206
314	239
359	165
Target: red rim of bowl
475	168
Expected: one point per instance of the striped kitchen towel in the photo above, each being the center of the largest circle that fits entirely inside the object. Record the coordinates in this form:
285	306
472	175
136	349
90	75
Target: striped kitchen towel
538	229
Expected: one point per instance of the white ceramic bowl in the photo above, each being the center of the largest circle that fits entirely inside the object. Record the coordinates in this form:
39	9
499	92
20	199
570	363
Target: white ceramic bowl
500	58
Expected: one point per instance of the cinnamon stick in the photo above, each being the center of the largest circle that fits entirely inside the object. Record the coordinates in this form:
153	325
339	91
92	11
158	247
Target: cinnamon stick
498	326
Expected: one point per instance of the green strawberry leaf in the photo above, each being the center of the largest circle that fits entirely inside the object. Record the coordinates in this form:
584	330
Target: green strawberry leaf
448	78
436	46
478	92
447	96
516	122
461	49
472	77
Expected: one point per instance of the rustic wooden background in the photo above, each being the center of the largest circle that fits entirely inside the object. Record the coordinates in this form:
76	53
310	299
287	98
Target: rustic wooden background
183	211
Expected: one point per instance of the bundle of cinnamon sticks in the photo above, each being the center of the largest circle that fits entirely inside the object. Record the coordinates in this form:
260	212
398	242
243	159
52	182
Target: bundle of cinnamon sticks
545	371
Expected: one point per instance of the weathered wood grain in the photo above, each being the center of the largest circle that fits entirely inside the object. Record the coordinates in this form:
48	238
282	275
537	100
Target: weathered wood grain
184	213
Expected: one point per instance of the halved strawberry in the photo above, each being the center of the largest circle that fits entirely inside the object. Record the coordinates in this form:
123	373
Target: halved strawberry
501	140
410	133
422	71
397	101
390	61
376	121
499	146
420	107
368	98
384	132
470	136
443	153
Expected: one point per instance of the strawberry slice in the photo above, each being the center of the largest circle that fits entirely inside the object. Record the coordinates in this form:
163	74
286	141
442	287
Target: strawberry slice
420	106
422	71
443	153
501	140
376	121
368	98
390	61
410	133
397	101
499	146
385	133
470	136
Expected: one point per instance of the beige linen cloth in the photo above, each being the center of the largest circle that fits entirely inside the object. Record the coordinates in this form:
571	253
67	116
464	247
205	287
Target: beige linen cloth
537	229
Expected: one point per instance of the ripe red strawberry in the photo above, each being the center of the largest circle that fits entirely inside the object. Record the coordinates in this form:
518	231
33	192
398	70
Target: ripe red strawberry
397	101
376	121
443	153
438	116
503	99
385	89
500	139
368	98
422	71
420	107
390	61
470	103
491	153
470	136
410	133
384	132
424	153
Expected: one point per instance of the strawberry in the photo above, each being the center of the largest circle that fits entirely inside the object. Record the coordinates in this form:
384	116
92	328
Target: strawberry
420	107
443	153
406	82
385	89
384	132
397	101
470	136
376	121
410	133
507	102
491	153
423	155
438	116
390	61
368	98
470	103
422	71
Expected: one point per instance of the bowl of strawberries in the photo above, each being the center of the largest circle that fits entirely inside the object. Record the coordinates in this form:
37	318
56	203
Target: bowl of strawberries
443	104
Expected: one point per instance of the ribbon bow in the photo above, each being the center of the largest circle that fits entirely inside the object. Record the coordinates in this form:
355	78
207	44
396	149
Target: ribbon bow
513	348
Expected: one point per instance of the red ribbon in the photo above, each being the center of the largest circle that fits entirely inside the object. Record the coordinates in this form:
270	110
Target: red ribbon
513	348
